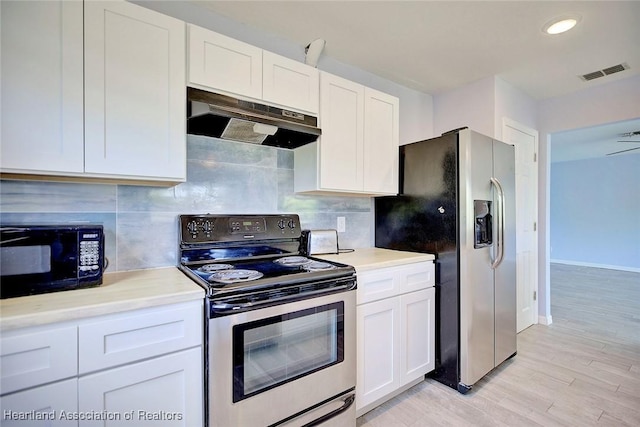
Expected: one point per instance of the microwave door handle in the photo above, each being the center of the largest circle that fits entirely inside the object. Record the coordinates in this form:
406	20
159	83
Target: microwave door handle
500	231
348	401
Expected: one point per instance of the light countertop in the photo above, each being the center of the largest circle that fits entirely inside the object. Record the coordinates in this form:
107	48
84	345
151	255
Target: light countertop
364	259
120	291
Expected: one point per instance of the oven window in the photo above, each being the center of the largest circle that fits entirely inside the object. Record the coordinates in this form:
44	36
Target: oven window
279	349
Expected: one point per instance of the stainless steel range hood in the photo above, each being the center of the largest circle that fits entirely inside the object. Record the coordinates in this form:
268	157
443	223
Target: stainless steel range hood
220	116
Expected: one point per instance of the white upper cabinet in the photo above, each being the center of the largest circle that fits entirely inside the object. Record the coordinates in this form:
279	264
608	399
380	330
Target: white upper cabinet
224	64
93	89
41	86
228	66
358	150
134	92
342	140
290	83
381	135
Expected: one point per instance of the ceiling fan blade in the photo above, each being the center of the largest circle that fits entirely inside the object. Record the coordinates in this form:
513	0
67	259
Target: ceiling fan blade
623	151
628	134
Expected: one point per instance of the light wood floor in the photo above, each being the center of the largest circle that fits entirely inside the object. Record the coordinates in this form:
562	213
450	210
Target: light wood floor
582	370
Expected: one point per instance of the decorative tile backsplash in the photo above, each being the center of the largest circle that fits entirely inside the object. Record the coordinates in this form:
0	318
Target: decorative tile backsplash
223	177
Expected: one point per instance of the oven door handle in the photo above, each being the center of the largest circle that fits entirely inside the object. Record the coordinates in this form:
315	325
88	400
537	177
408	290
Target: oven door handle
348	401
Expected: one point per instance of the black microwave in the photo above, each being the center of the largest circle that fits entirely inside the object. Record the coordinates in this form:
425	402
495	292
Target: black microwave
36	259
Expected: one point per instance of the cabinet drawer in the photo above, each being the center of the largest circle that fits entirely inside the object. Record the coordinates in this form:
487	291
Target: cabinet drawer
377	284
124	338
387	282
417	276
28	359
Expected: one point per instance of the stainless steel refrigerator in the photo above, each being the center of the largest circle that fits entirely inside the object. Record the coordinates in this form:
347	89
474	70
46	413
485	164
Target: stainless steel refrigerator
457	201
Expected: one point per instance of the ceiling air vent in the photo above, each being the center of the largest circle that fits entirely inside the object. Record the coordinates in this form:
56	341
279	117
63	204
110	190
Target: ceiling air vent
604	72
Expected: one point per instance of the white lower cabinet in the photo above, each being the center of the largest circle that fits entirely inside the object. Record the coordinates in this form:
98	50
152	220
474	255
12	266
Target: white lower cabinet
396	327
163	391
378	350
56	405
135	368
417	310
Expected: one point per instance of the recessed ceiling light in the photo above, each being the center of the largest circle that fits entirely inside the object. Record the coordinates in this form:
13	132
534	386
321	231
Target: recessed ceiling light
561	24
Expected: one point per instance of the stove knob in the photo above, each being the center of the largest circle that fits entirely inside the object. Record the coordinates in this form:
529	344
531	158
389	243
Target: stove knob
291	224
192	226
207	227
281	224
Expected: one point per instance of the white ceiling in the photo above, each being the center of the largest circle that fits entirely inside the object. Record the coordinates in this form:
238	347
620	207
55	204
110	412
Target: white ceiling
436	46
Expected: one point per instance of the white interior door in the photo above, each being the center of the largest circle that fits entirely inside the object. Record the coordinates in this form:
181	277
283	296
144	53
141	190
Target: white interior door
525	141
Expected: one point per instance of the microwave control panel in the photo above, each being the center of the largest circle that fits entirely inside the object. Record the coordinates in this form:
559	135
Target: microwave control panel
90	255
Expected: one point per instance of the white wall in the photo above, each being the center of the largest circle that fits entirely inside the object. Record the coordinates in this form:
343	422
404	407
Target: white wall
514	104
482	105
472	105
595	212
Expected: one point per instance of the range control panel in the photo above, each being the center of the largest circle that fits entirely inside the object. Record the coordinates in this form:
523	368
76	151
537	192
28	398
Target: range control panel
211	228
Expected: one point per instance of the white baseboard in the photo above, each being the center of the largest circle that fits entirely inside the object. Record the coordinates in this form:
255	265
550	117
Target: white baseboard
545	320
590	264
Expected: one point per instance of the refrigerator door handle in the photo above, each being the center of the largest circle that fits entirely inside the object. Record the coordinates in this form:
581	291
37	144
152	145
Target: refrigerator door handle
500	230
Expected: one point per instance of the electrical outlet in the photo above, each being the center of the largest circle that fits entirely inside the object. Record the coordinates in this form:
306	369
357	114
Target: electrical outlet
341	226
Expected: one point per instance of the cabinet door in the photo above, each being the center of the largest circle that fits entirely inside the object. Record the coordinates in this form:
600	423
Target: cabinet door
290	83
61	397
341	143
224	64
381	138
165	391
418	329
135	116
37	356
378	350
41	86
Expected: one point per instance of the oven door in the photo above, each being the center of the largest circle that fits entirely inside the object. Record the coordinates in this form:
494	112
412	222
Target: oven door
274	364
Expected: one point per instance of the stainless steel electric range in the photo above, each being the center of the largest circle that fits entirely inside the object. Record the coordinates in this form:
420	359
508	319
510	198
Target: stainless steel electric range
280	326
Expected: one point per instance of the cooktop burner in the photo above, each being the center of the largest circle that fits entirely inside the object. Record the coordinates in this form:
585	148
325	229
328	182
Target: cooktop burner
293	261
234	276
318	266
210	268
